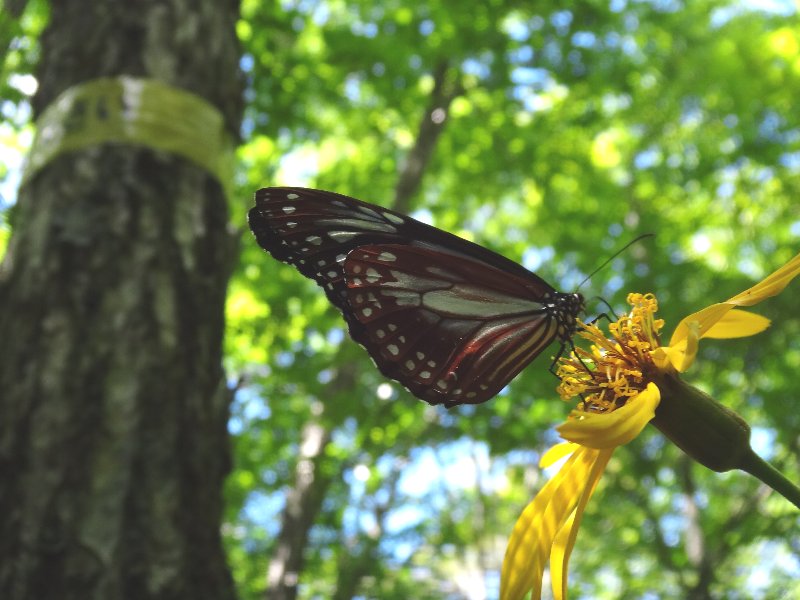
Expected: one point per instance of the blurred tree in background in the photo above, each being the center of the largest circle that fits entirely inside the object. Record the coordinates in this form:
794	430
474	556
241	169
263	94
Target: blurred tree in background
553	133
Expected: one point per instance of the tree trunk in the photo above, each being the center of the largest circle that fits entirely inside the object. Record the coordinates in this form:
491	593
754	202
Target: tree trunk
113	409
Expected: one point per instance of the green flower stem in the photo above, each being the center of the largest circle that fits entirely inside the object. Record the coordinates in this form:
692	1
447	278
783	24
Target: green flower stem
763	471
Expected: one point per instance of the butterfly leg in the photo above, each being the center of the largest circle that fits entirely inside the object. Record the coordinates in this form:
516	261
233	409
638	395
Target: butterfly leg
604	316
554	370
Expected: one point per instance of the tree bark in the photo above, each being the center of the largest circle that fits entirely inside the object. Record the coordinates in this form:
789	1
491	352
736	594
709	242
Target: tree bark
113	410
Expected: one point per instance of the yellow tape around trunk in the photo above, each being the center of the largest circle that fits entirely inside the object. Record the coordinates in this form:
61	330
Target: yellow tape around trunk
128	110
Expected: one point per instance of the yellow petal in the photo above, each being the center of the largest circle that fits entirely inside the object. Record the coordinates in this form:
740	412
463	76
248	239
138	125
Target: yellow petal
532	537
700	321
609	430
707	318
738	323
523	563
770	286
715	322
565	540
559	557
666	357
690	346
556	453
678	357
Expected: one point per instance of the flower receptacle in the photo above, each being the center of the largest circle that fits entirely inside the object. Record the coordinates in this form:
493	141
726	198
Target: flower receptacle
712	434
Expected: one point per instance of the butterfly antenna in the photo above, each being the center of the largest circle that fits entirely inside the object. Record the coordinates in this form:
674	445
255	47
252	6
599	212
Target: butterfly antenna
615	255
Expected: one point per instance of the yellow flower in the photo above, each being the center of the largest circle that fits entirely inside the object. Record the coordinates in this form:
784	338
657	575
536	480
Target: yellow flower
622	380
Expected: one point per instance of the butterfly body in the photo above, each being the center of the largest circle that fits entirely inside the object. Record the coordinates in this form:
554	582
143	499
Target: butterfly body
451	320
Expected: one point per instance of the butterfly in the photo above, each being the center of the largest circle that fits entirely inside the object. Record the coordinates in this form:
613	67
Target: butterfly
451	320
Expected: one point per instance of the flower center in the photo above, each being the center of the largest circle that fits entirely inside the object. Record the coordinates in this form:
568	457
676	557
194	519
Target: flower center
615	367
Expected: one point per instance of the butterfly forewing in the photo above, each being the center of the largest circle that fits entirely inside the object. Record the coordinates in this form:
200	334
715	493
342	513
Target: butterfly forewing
449	319
314	231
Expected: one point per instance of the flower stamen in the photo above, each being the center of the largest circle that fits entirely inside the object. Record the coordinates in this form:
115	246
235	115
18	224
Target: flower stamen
616	366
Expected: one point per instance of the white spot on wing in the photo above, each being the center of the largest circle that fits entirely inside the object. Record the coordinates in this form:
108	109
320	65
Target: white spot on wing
393	349
314	239
367	211
292	196
387	257
357	224
393	218
289	209
342	236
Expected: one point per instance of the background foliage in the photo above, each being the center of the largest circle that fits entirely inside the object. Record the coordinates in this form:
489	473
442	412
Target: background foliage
571	128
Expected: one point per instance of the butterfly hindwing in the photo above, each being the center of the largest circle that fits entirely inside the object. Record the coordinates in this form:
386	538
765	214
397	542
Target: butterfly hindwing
451	329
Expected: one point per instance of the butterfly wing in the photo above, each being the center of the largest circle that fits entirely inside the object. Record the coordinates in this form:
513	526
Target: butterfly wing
451	329
479	317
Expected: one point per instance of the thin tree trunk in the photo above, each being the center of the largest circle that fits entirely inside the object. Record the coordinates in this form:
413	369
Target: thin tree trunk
303	503
707	553
313	475
446	88
113	409
304	498
360	556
